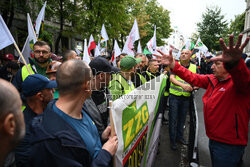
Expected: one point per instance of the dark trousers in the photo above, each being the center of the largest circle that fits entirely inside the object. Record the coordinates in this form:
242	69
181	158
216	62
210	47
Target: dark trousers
178	107
225	155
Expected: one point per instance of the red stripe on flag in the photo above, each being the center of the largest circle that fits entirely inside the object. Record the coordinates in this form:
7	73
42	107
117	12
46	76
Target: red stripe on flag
91	47
113	57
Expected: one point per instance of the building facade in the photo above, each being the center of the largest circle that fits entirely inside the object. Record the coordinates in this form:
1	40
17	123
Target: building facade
246	31
19	31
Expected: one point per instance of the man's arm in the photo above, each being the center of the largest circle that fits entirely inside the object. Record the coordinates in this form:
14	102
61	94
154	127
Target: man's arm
231	57
186	87
241	77
193	79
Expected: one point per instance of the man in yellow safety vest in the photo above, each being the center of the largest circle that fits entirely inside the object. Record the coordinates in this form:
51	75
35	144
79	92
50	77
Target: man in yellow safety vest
179	100
38	64
121	83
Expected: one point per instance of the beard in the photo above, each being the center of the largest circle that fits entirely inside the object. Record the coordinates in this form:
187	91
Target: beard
43	61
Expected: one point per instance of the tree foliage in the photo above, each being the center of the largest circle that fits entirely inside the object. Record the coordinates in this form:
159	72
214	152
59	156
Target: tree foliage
81	18
212	27
237	25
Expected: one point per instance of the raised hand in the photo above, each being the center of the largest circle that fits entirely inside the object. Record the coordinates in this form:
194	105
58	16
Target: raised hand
231	54
166	59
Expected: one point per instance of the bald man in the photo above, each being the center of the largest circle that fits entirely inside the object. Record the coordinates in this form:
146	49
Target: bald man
179	99
65	135
70	54
12	127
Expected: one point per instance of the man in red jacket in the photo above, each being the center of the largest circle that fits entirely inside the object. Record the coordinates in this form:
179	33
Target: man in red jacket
226	101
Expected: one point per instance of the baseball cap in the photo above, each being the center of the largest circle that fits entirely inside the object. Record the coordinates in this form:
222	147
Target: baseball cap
129	62
209	57
100	64
8	56
35	83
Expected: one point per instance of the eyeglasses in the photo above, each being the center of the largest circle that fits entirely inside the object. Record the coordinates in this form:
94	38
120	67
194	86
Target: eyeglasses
39	51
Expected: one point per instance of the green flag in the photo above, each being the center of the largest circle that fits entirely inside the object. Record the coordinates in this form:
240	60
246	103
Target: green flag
145	51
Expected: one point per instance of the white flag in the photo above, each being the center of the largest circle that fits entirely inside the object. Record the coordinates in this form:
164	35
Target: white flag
78	52
104	35
133	36
40	19
201	46
116	53
26	47
99	45
97	52
6	38
139	48
31	39
152	43
31	32
86	53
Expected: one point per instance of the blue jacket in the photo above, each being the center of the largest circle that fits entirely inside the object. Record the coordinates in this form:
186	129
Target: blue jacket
55	143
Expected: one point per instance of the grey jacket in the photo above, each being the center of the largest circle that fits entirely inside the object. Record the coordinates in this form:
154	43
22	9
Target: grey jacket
97	114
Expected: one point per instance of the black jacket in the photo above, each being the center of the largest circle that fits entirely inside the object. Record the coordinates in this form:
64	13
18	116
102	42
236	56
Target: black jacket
55	143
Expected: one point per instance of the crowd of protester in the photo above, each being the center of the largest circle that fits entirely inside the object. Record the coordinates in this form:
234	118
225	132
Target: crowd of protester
65	103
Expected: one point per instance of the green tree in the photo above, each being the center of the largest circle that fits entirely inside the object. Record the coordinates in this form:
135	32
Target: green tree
212	27
85	17
8	9
237	25
149	13
160	17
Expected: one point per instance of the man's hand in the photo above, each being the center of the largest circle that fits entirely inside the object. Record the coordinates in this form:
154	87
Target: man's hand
111	145
195	87
106	133
231	54
187	87
166	59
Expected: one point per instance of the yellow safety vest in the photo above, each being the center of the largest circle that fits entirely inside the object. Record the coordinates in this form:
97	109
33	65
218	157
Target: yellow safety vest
143	80
177	90
150	75
23	107
25	71
126	87
166	93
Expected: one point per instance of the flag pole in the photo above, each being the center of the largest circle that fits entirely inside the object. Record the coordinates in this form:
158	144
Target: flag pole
112	128
25	63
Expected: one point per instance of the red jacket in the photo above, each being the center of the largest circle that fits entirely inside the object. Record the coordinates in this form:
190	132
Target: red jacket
226	103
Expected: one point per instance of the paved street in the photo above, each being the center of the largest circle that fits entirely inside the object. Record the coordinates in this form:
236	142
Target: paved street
167	157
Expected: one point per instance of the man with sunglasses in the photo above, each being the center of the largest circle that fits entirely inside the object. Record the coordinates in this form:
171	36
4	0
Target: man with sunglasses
38	64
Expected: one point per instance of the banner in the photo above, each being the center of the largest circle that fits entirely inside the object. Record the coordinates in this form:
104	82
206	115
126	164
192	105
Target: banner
116	53
104	35
133	36
134	116
152	43
6	38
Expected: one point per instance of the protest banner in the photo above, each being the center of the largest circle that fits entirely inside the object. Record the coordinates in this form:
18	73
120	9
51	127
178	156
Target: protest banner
134	116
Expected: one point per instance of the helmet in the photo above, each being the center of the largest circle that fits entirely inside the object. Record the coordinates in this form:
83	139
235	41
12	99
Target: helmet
53	66
8	57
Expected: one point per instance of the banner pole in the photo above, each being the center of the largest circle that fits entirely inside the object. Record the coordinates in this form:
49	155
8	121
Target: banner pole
25	63
112	128
111	120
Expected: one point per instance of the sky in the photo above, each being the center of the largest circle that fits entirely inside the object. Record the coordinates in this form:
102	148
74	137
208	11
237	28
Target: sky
185	14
